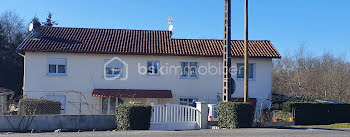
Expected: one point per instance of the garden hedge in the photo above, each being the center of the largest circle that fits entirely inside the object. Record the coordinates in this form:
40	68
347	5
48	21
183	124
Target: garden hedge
29	106
314	113
133	117
235	115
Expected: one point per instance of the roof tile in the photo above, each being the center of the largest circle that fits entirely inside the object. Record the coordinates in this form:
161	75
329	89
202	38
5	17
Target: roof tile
122	41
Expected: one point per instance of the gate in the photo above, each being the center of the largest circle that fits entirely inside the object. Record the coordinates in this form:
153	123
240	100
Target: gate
175	117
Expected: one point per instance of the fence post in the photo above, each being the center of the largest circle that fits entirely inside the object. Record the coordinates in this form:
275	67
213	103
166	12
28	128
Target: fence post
203	109
167	113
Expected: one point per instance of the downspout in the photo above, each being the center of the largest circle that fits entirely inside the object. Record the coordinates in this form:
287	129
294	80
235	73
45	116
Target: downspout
18	52
21	54
23	73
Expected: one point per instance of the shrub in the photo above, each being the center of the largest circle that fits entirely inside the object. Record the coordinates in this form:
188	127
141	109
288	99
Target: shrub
133	117
29	106
235	115
314	113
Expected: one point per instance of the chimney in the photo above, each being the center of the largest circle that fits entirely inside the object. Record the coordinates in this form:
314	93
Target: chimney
36	28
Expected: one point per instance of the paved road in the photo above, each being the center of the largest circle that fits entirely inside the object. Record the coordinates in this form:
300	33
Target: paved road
252	132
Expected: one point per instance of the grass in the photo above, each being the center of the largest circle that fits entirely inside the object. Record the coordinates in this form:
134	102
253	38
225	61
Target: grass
340	125
337	125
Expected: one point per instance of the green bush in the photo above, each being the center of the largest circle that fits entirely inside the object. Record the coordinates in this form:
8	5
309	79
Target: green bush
38	107
133	117
314	113
235	115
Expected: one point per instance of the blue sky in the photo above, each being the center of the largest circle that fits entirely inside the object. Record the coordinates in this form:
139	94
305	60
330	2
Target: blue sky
323	25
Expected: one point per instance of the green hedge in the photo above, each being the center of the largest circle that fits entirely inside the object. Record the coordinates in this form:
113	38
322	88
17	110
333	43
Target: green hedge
133	117
38	107
314	113
235	115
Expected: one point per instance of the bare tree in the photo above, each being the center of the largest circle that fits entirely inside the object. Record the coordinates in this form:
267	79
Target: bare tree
12	33
12	24
304	77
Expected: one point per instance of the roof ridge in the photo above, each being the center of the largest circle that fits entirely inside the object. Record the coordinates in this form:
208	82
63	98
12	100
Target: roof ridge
212	39
104	28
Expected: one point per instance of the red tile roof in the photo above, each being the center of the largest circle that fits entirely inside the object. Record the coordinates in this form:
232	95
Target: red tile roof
140	42
132	93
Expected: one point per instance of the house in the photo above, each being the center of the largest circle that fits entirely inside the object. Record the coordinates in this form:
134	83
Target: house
5	94
91	71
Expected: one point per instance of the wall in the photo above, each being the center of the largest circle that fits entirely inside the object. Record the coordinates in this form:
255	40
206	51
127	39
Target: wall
85	73
19	123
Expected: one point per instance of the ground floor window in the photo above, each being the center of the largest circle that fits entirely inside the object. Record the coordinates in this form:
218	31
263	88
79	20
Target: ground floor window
188	101
120	101
108	105
59	98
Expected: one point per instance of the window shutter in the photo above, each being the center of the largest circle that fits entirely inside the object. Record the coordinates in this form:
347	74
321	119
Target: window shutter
251	71
57	61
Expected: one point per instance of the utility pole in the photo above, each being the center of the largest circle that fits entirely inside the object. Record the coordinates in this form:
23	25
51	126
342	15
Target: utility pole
227	80
246	55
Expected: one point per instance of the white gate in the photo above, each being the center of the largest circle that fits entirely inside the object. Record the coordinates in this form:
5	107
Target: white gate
175	117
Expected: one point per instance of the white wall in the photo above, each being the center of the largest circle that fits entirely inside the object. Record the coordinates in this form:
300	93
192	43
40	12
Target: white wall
85	73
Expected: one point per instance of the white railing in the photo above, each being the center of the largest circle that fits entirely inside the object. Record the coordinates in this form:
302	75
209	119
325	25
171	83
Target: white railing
158	114
173	115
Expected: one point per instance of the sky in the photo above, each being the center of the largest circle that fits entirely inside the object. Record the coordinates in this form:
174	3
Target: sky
322	25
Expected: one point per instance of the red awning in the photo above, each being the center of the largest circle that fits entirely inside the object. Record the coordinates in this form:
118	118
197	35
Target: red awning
132	93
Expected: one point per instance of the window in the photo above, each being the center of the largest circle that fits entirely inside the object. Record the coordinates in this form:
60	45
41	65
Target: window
189	70
114	68
153	68
188	101
240	70
112	105
2	100
108	105
57	66
104	105
59	98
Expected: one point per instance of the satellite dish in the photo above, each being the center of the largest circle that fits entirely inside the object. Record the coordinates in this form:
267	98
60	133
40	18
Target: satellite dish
30	26
171	27
170	22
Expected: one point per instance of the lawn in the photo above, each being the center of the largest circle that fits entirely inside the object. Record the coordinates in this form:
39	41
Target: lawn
340	125
337	125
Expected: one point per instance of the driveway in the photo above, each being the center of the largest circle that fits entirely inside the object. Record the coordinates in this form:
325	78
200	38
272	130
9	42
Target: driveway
251	132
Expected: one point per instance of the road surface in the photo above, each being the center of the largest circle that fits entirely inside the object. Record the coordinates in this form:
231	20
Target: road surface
251	132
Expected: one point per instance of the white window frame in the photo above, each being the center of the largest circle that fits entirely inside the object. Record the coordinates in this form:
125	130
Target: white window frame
57	62
110	108
114	67
189	77
254	72
187	98
153	64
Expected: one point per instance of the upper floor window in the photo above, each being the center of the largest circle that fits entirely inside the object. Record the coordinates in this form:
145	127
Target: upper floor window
189	69
153	68
240	70
114	68
57	66
188	101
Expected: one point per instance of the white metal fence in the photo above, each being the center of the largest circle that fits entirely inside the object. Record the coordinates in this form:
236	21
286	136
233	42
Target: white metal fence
175	117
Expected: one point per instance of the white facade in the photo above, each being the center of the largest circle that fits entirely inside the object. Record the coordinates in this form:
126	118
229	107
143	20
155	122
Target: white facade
85	72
